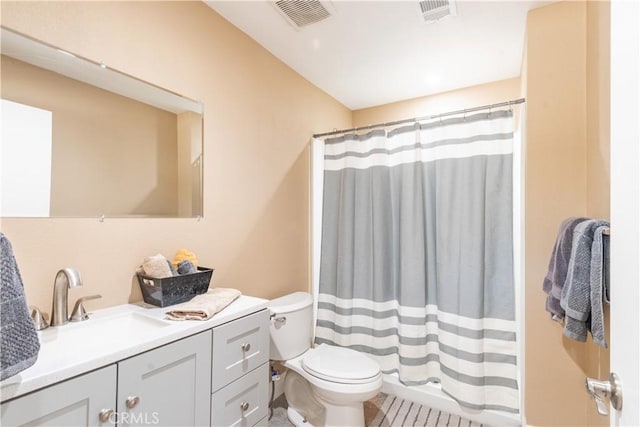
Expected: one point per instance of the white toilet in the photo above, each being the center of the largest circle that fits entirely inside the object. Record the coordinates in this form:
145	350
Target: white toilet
325	385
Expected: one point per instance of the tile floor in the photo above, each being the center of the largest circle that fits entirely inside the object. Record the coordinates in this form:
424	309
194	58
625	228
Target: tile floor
386	411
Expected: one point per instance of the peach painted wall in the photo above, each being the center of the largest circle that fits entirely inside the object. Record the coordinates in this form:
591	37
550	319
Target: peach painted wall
567	175
490	93
598	107
258	120
556	188
598	157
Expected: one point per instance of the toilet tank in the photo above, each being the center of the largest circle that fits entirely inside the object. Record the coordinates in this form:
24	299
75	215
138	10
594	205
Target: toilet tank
291	328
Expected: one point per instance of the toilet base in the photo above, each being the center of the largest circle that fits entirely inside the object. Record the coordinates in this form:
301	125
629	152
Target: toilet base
344	415
297	419
335	416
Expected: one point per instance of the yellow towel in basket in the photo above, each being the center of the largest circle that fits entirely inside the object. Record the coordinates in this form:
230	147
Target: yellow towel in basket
203	307
184	254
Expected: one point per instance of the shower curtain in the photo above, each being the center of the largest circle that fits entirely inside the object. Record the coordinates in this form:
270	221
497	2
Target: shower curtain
416	264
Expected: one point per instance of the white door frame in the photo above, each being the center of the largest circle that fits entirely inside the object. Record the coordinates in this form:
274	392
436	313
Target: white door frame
625	210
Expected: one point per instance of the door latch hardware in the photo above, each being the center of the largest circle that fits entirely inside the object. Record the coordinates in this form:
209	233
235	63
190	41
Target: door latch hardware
602	389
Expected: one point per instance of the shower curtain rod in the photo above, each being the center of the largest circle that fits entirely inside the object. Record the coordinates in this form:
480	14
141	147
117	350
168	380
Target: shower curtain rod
418	119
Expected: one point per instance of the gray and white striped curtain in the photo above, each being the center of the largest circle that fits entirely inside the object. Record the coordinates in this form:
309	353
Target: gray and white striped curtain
416	261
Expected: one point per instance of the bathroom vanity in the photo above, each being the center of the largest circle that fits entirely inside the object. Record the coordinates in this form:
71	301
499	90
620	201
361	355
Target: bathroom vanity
128	365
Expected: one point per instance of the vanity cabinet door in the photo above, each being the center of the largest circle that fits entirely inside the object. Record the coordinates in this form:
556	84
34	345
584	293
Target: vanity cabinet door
87	400
244	402
167	386
239	347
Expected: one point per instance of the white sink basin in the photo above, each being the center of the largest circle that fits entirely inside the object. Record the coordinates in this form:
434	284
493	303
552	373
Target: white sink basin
130	321
101	331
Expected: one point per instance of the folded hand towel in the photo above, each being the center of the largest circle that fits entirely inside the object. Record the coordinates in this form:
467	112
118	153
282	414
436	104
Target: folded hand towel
203	307
606	268
576	293
185	254
599	286
558	267
19	344
156	266
553	306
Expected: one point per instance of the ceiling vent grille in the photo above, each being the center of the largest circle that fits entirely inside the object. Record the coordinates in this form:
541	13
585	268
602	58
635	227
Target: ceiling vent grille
434	10
300	13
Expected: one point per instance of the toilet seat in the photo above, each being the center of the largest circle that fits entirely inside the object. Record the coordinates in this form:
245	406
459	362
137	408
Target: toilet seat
340	365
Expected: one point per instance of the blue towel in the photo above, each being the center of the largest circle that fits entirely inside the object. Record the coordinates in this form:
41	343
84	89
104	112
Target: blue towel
19	344
576	293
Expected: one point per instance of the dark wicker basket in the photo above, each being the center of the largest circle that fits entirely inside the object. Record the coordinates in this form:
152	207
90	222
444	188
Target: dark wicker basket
174	290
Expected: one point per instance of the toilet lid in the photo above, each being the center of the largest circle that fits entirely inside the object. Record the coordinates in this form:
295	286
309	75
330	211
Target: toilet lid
340	365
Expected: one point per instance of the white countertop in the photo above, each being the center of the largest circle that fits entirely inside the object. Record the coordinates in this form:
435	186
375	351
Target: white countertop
108	336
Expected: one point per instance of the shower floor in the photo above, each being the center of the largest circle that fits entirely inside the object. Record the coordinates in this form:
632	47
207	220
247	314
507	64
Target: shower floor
387	411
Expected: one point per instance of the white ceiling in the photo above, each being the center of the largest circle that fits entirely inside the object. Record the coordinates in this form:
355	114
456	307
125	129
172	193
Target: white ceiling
374	52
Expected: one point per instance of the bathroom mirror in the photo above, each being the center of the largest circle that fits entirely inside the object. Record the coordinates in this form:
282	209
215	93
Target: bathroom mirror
80	139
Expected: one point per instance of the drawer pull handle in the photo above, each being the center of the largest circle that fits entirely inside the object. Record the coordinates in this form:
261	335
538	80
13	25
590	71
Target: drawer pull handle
246	347
244	406
132	401
105	415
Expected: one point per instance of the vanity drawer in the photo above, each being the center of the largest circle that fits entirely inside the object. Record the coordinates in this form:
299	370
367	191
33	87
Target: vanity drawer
239	347
243	402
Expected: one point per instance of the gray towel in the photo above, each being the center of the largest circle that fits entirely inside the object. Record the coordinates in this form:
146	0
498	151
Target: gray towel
19	344
186	267
606	268
559	266
599	285
576	293
553	306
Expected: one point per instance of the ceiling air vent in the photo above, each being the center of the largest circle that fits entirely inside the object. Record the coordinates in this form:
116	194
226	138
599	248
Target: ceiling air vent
300	13
434	10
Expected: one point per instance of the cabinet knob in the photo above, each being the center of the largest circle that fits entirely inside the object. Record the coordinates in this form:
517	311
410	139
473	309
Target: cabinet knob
105	415
244	406
132	401
246	347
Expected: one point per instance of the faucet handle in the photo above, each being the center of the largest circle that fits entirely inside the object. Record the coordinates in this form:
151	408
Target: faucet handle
79	313
38	319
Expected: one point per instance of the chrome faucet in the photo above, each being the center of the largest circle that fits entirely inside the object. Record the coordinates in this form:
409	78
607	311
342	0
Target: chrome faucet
65	279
